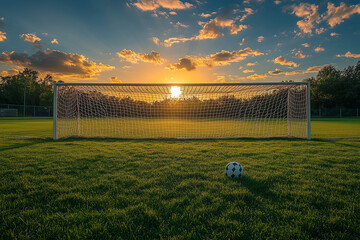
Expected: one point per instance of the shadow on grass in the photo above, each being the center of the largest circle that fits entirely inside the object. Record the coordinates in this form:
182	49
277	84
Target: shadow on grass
258	188
335	141
27	142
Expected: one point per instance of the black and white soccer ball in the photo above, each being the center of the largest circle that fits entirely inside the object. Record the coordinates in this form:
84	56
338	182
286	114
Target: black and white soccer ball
234	170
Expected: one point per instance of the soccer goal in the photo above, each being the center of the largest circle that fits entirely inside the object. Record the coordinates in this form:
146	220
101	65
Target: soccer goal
182	111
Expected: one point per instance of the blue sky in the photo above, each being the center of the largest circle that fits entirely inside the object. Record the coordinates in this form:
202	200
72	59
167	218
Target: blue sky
178	40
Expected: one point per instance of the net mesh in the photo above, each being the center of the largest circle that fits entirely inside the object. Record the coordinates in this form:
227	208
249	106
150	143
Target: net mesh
183	111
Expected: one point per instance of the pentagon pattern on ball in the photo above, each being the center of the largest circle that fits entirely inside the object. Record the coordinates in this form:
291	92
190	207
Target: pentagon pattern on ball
234	170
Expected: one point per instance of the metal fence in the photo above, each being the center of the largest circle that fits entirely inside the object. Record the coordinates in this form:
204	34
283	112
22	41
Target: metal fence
30	111
339	112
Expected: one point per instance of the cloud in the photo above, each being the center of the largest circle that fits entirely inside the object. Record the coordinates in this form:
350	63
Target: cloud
277	2
32	38
310	15
182	25
257	76
319	49
349	55
2	36
251	64
334	34
276	72
305	45
115	80
156	40
282	61
336	15
320	30
296	72
211	29
248	71
170	41
205	15
248	12
9	72
172	13
299	54
314	69
260	38
54	41
218	59
243	41
187	63
133	57
56	63
235	29
150	5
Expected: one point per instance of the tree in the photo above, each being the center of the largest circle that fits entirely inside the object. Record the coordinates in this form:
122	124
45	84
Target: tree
38	90
335	88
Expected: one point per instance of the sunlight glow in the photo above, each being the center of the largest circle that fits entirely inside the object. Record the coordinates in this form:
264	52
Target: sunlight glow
175	91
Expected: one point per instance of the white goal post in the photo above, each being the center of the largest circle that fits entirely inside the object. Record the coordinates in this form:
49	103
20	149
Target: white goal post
182	111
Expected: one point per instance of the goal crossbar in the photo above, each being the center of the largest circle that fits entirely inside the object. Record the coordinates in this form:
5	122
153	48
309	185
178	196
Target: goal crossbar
182	111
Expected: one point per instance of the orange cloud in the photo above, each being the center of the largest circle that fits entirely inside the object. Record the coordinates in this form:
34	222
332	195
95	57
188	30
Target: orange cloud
57	63
248	71
32	38
150	5
2	36
133	57
243	41
260	38
218	59
251	64
54	41
349	55
310	15
305	45
276	72
235	28
282	61
182	25
205	15
299	54
257	76
248	12
9	72
211	29
156	40
336	15
319	49
314	69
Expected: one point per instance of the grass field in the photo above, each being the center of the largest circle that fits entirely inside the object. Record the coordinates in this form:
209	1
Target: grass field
162	189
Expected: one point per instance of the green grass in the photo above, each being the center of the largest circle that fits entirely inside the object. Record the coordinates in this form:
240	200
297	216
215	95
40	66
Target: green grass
161	189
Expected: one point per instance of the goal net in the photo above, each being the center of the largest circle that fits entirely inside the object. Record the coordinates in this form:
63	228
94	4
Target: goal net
184	111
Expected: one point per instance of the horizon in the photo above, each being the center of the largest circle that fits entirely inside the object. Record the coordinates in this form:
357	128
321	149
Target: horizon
178	41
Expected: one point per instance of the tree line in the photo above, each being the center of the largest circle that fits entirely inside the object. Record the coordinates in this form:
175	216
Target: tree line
329	88
336	88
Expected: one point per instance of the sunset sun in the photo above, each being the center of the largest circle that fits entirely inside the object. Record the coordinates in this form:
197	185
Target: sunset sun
175	91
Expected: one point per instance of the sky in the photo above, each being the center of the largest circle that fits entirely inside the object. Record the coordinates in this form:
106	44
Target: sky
178	41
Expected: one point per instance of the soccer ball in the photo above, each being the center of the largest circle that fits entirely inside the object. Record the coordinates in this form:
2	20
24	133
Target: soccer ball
234	170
